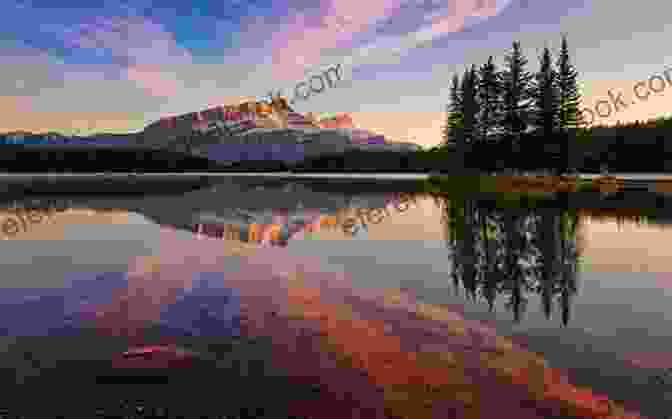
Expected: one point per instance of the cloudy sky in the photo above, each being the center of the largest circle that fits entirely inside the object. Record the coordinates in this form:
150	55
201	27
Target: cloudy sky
111	66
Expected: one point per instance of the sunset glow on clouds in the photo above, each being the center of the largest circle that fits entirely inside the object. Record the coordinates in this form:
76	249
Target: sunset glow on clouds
154	80
299	44
142	47
64	63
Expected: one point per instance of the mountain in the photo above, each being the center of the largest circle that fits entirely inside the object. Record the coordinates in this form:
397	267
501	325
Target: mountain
338	121
253	134
258	131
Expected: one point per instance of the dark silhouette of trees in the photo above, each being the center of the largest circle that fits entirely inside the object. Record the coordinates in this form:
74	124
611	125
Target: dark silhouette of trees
545	96
532	122
490	101
569	97
469	111
640	146
517	98
469	106
512	253
568	90
81	159
545	112
454	114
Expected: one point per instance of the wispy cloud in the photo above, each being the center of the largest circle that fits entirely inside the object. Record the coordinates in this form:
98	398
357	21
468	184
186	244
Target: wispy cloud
449	19
146	51
301	42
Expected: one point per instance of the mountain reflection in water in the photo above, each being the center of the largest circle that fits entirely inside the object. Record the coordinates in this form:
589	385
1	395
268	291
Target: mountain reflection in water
335	328
493	253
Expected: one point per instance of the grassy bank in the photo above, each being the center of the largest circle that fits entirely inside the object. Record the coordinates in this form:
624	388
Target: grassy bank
528	185
550	192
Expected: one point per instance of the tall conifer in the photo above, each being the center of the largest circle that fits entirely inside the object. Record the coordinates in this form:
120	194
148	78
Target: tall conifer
469	105
569	98
546	100
516	97
569	95
490	101
451	130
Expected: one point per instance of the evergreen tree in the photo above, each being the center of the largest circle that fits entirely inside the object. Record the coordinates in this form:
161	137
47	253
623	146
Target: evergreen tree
545	95
489	98
516	97
569	97
469	106
545	116
451	130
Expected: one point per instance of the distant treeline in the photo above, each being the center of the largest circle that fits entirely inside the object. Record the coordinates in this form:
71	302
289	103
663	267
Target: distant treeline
73	159
641	146
55	138
635	147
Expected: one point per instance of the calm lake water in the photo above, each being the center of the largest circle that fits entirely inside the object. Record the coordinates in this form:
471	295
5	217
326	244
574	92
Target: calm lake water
87	278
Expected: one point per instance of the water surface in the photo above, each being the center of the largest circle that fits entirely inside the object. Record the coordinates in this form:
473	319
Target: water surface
584	288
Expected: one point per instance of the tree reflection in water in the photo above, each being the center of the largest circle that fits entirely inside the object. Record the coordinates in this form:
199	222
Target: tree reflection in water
513	253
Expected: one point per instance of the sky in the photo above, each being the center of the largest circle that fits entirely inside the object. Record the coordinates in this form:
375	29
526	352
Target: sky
100	66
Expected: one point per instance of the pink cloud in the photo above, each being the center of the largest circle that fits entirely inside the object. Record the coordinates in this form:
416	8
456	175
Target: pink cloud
20	103
298	44
144	48
136	39
16	112
155	81
457	12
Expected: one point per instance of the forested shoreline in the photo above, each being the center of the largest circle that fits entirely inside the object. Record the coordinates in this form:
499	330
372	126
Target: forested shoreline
515	120
19	158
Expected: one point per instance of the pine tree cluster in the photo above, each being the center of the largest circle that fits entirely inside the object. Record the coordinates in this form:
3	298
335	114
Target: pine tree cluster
490	106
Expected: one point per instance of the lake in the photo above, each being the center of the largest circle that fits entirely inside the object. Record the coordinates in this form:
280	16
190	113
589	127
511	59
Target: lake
172	303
